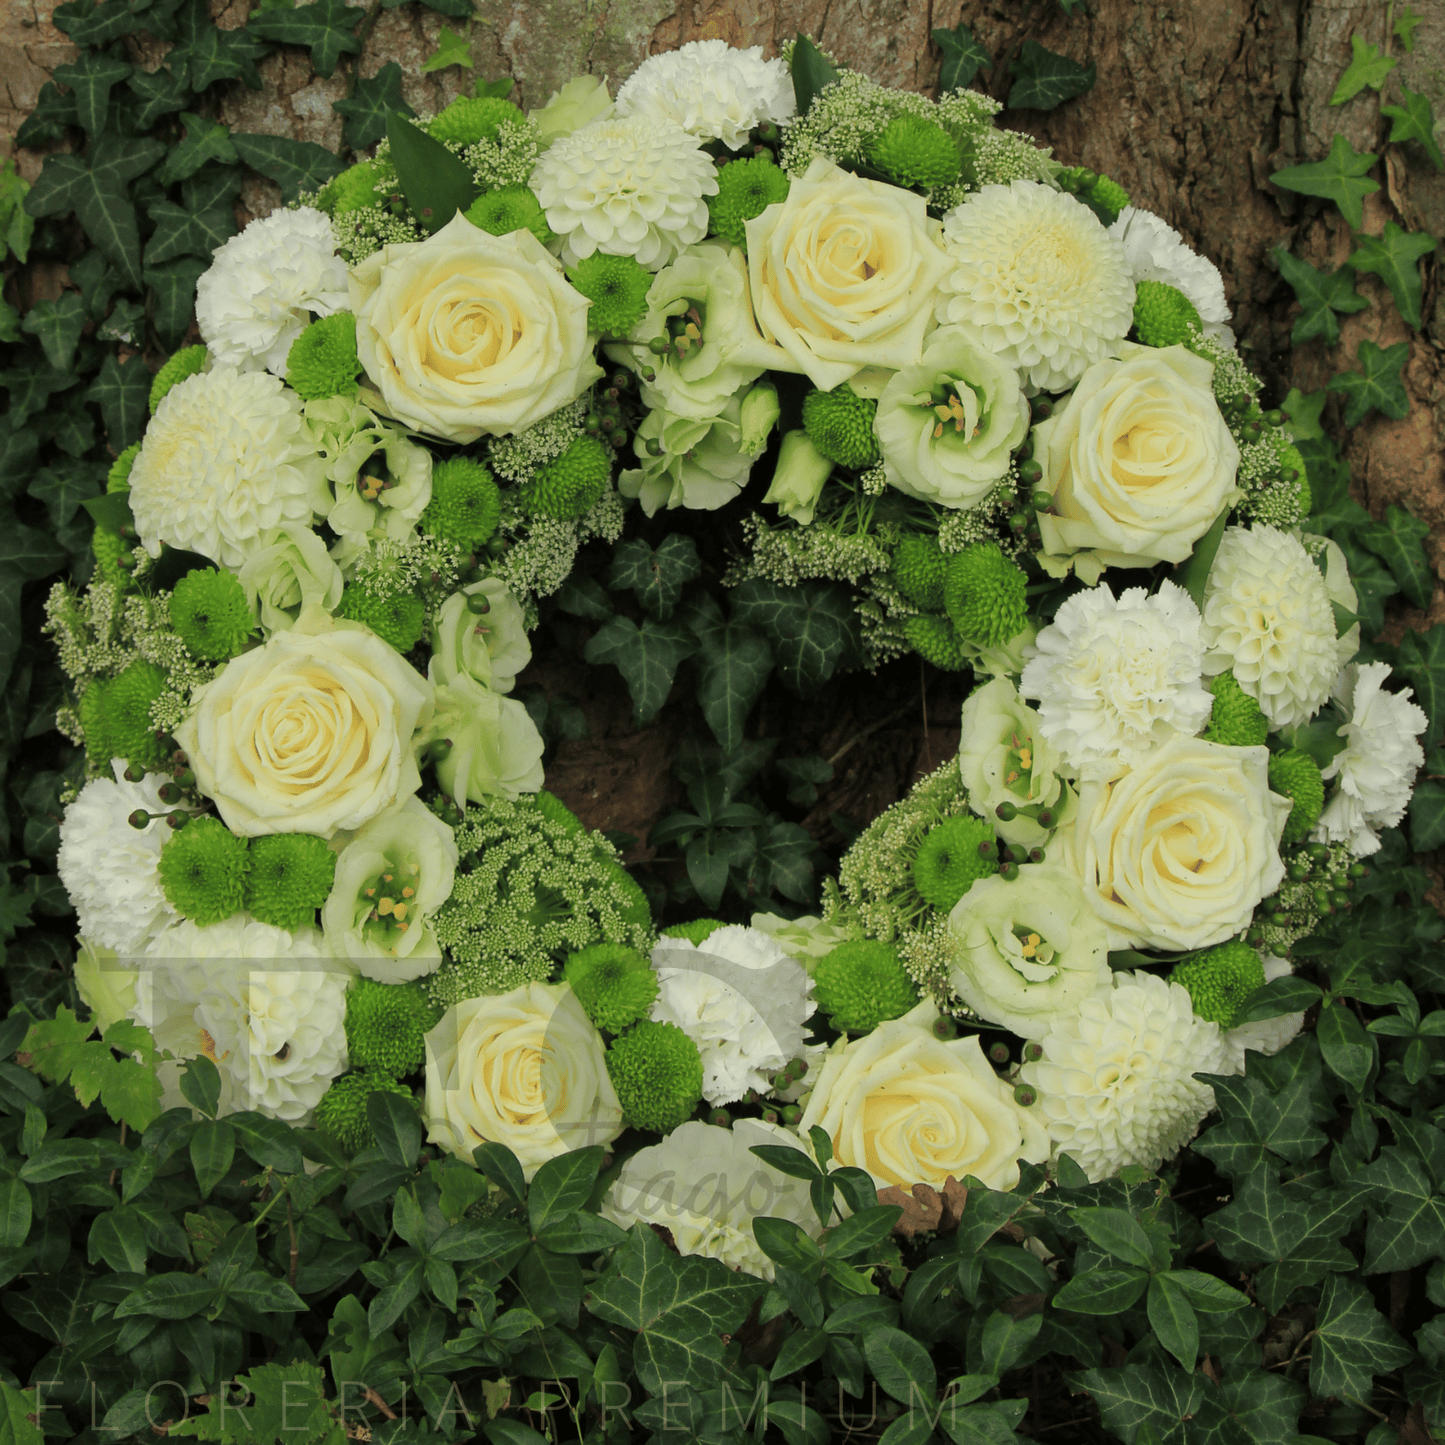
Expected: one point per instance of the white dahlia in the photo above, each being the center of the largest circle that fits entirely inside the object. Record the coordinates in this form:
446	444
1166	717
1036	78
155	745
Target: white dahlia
1376	771
1115	679
267	1006
109	868
711	91
226	463
1155	251
1267	615
633	187
1115	1083
1266	1036
254	301
1036	272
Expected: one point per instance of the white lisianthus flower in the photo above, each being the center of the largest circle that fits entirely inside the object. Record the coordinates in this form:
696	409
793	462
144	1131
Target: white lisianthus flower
1376	771
807	938
290	573
702	465
107	987
1037	274
741	998
704	1186
490	646
226	462
254	301
496	750
711	91
1266	1036
581	101
1267	617
1115	1083
627	187
1155	251
1115	678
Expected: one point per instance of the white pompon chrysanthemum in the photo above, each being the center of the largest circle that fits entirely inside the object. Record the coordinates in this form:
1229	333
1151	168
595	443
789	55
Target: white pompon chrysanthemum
1115	1083
711	90
1114	679
634	187
253	302
1036	272
1155	251
1267	616
1266	1036
227	460
1377	769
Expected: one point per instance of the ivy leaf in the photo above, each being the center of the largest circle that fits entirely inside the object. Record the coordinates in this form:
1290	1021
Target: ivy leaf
90	25
647	657
1320	294
326	27
295	165
1399	542
1367	67
1405	29
161	92
207	54
1407	1217
63	486
365	111
452	49
205	141
1354	1343
1377	384
788	853
1342	177
734	663
1043	80
91	79
180	232
54	110
963	58
1138	1398
31	387
1266	1405
812	627
1260	1125
58	324
122	391
1421	657
1395	259
99	198
173	286
1414	120
655	578
126	323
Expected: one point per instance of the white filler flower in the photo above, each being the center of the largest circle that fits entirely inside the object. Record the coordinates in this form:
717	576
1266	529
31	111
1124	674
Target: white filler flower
1377	769
1036	272
634	187
1155	251
253	302
1115	678
1115	1083
710	90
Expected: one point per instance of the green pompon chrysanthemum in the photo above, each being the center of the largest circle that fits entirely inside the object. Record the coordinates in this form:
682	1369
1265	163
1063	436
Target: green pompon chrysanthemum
465	504
92	723
322	361
613	983
697	930
936	640
984	594
1220	979
353	190
117	479
108	548
948	862
1294	774
470	118
863	984
202	871
399	619
210	614
508	209
342	1110
386	1026
554	810
1163	314
290	878
570	485
915	152
918	568
1292	461
1110	195
745	189
840	424
125	714
1235	719
657	1073
617	288
184	363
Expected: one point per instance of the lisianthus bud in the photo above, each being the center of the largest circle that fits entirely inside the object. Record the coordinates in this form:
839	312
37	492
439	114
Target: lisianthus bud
760	416
799	478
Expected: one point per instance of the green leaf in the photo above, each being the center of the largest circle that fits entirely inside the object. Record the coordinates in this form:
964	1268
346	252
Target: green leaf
581	1233
173	287
122	391
58	325
208	54
963	58
1354	1343
1421	657
168	1297
812	71
1102	1291
64	487
161	92
1286	995
1193	573
18	1417
900	1365
1265	1404
655	578
1320	295
1044	80
397	1129
97	25
201	1085
1342	177
1399	542
1395	259
1406	1216
1414	120
1404	28
561	1186
452	49
1348	1050
1376	385
205	141
1427	815
102	203
1208	1293
555	1278
1005	1340
647	657
436	183
365	110
1367	67
118	1238
1137	1398
1117	1233
501	1166
325	27
734	663
813	628
268	1141
16	1210
91	79
294	165
1260	1124
1171	1313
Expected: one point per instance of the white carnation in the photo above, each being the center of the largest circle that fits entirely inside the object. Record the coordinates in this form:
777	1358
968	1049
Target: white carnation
109	868
1115	1083
633	187
226	463
253	302
1036	272
1266	1036
711	91
1267	615
1376	771
1155	251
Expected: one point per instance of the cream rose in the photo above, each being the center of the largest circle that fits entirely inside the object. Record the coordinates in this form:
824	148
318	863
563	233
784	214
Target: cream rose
1139	461
911	1109
524	1069
292	572
468	334
1177	852
1005	759
844	273
489	645
309	733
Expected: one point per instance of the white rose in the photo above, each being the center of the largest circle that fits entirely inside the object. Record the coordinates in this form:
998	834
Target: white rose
490	646
524	1069
291	573
468	334
309	733
1177	852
